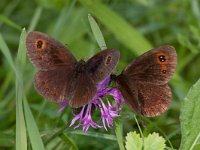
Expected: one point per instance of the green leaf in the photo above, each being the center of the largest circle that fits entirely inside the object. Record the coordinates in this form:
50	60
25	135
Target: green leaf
133	141
121	29
97	33
154	142
189	117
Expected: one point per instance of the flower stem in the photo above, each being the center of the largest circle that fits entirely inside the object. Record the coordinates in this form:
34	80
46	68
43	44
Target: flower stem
118	132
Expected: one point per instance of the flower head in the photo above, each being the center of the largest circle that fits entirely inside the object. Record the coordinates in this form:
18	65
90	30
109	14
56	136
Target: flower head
99	102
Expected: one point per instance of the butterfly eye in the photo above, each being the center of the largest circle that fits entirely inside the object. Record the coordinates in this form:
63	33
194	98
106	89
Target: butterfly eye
108	60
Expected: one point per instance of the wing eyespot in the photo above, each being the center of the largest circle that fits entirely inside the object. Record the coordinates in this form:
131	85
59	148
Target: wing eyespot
164	71
43	82
40	44
162	58
108	60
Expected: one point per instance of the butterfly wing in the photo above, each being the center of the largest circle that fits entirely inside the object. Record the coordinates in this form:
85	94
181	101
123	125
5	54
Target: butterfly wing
95	70
55	63
102	64
81	90
143	83
46	53
155	66
145	99
52	84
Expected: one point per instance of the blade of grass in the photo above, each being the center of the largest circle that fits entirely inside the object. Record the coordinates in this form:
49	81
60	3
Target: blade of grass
21	137
5	84
195	142
9	22
10	8
56	134
21	55
63	18
122	30
33	132
95	134
35	19
6	52
97	33
119	134
69	141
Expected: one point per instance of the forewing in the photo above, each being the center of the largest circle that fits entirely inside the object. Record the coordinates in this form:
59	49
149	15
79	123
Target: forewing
102	64
81	90
52	84
155	66
47	53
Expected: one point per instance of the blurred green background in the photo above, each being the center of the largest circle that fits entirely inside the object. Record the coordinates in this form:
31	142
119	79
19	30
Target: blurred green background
132	26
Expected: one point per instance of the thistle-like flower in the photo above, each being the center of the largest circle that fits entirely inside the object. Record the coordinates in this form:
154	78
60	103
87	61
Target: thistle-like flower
99	102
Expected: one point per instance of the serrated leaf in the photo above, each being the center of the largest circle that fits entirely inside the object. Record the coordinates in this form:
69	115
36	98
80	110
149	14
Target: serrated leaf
189	117
133	141
154	142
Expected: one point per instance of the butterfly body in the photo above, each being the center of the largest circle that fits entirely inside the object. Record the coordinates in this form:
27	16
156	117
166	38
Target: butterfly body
60	76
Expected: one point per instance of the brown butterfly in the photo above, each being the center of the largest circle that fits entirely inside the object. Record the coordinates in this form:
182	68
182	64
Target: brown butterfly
60	76
143	82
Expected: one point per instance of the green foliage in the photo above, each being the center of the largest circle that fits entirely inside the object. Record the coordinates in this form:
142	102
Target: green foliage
189	118
118	26
97	33
133	27
133	141
151	142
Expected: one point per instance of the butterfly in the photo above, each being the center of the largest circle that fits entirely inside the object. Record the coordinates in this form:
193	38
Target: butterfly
143	83
60	76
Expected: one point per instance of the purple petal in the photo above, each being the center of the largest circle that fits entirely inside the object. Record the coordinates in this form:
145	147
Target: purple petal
63	105
108	111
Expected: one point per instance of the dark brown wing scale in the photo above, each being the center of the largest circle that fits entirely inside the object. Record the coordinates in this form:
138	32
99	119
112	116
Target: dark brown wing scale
52	84
143	82
155	66
60	76
102	64
88	74
46	53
